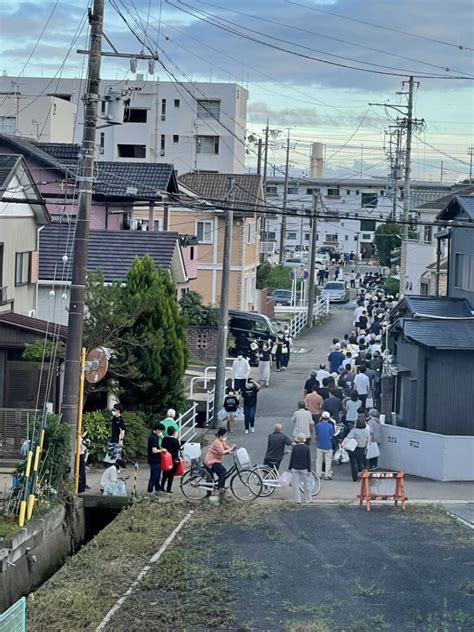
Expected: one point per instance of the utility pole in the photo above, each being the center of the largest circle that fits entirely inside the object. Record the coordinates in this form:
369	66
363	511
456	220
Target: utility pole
406	187
265	162
259	157
312	259
470	150
281	257
72	367
224	306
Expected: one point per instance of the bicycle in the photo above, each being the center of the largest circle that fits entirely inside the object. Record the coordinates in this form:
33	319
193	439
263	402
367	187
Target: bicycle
270	478
199	482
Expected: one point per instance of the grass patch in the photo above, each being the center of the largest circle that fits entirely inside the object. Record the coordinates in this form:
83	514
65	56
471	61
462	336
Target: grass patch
84	589
468	588
8	528
440	519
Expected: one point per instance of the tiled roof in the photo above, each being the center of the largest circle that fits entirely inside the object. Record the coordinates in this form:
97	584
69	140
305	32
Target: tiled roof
215	186
111	251
441	334
458	204
442	202
438	306
7	164
61	151
29	149
32	324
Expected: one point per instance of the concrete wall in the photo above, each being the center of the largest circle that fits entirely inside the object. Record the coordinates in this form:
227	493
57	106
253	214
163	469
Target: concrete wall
426	454
37	551
461	242
46	119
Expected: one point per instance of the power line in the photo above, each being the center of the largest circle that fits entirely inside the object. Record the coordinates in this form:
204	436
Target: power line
380	26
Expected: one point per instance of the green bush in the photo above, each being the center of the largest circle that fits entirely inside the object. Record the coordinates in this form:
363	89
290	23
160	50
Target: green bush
273	277
136	435
391	286
97	424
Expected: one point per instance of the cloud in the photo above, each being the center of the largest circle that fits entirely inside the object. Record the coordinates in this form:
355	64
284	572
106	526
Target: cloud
304	117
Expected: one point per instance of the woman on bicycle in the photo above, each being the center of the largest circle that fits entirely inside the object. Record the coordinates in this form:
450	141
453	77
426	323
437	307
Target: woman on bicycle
214	456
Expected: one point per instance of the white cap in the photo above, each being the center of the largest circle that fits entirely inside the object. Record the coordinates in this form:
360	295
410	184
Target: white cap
326	415
337	346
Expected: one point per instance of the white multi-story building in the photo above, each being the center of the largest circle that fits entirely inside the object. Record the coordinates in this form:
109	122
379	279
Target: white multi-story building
359	203
47	118
195	126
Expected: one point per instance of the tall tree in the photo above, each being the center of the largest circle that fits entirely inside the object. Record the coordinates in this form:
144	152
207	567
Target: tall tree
386	240
141	323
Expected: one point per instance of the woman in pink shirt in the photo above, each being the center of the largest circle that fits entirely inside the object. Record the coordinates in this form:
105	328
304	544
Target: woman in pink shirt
215	454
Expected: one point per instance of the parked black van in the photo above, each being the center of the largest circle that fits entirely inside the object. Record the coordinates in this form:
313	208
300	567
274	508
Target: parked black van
248	327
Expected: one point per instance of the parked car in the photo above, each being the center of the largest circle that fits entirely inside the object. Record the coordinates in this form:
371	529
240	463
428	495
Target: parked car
248	327
336	291
296	262
330	251
282	297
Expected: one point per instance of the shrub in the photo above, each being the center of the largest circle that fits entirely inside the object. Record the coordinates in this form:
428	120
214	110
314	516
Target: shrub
136	435
98	432
391	286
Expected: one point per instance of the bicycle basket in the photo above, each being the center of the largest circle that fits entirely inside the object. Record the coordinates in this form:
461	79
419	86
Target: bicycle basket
242	459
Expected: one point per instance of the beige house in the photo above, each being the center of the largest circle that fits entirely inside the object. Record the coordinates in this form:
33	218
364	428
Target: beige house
20	224
245	192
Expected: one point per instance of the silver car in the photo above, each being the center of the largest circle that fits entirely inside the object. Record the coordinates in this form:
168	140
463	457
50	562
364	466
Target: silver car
336	291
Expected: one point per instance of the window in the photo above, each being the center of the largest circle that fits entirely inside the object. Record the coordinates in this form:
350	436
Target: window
357	191
427	234
162	144
22	268
156	225
204	231
382	193
334	193
7	124
175	138
209	108
306	236
464	271
177	103
366	236
331	238
311	191
135	115
131	151
268	235
291	235
348	191
251	233
272	190
250	291
102	142
207	145
369	200
367	224
163	109
293	190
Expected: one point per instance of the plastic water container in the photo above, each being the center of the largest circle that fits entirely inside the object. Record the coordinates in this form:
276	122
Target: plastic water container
191	452
242	457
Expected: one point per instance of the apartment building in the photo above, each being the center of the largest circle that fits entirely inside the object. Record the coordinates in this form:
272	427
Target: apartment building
359	203
195	126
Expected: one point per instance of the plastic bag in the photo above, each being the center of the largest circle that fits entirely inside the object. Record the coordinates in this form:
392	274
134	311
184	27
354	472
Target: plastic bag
349	444
222	414
285	479
373	451
310	483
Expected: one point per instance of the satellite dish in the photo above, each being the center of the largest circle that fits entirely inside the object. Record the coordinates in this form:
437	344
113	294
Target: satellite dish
97	363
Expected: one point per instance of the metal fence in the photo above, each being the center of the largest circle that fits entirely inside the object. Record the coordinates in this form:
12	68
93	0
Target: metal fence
14	619
14	426
187	424
300	319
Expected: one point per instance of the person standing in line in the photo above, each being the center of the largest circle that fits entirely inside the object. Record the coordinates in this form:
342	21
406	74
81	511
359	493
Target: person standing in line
321	373
173	446
230	405
335	358
115	445
169	422
277	442
300	468
154	457
286	350
279	344
375	435
240	372
333	406
361	434
250	404
362	385
351	407
352	278
324	432
215	455
310	382
264	365
303	423
314	403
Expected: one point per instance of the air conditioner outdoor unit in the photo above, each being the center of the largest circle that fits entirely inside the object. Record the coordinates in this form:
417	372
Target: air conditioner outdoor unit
267	247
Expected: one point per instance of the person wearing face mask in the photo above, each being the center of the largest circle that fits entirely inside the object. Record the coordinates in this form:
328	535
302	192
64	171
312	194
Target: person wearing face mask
279	344
240	372
215	455
115	445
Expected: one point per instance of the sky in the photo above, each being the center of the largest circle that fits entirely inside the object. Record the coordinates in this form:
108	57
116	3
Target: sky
315	90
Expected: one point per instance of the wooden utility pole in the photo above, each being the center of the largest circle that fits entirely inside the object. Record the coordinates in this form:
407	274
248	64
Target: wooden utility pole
281	256
223	329
312	259
406	189
85	179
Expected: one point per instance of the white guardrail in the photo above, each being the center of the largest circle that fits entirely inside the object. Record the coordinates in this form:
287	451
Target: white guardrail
300	319
187	424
